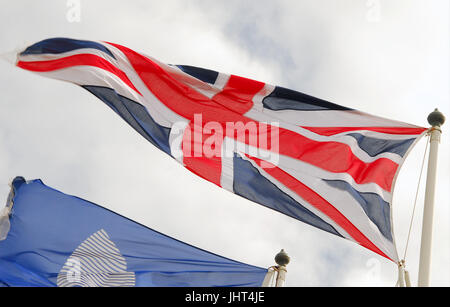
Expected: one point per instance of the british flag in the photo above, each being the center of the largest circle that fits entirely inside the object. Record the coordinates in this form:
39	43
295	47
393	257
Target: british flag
321	163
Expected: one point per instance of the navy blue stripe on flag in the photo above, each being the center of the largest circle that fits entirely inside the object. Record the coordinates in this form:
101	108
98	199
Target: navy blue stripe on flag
60	45
249	183
205	75
378	211
134	114
375	146
285	99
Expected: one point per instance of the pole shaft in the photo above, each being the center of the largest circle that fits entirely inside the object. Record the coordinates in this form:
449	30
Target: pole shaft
427	222
281	276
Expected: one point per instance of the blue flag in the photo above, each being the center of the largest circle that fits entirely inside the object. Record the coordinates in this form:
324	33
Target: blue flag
61	240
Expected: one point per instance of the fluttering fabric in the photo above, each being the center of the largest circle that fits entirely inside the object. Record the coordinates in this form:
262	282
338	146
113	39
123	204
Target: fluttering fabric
61	240
319	162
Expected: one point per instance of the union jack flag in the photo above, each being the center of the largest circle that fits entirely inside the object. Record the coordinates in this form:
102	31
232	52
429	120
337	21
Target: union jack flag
321	163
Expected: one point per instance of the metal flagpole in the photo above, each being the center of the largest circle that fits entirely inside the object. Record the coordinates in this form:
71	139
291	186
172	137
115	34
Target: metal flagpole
436	119
282	259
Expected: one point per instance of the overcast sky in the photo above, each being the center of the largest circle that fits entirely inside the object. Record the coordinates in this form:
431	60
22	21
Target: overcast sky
385	57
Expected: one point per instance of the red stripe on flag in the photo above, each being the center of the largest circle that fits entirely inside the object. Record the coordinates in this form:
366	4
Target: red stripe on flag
319	203
337	157
77	60
209	168
238	93
331	156
327	131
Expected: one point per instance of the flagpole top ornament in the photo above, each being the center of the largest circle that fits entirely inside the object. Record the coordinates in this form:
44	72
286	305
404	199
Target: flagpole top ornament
436	118
282	258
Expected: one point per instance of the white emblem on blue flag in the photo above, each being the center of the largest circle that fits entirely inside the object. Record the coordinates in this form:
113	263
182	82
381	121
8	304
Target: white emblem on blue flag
97	262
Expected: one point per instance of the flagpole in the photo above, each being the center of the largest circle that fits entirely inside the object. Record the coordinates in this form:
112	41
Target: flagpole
282	259
436	119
